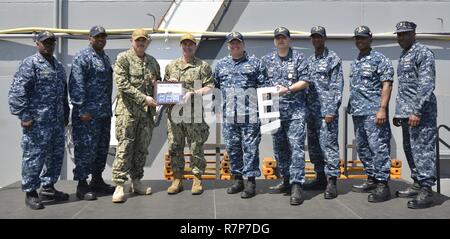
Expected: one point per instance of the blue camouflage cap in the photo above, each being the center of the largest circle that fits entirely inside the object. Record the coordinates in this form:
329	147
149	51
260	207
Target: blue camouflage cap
235	36
363	31
97	30
44	35
282	31
405	26
318	30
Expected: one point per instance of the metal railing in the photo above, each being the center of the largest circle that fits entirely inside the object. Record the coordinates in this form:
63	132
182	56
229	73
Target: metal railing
345	141
346	146
438	155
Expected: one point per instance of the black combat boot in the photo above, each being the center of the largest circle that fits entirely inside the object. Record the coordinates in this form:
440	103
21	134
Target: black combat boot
283	187
250	188
237	186
297	197
381	193
97	185
331	191
409	192
32	201
50	193
366	187
84	192
423	200
320	183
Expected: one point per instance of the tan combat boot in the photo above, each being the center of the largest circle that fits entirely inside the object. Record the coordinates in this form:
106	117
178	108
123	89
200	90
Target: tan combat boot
197	187
119	194
177	185
138	188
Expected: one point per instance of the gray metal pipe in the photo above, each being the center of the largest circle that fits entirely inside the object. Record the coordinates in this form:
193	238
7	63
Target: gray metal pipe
248	36
56	15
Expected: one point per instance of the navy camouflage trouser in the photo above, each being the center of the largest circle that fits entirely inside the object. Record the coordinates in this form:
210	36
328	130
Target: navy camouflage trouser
242	145
43	154
289	150
323	145
373	146
419	144
91	145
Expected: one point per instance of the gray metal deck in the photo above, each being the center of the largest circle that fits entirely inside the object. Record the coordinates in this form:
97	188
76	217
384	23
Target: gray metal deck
216	203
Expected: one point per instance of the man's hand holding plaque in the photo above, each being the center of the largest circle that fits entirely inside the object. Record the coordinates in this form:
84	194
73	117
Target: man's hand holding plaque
169	92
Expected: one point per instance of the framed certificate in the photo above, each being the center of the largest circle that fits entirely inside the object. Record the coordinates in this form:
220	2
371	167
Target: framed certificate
168	93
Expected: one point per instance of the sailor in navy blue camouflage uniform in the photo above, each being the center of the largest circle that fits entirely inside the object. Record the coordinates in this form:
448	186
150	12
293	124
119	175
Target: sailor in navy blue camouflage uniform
38	96
90	89
237	76
416	113
324	99
287	69
371	76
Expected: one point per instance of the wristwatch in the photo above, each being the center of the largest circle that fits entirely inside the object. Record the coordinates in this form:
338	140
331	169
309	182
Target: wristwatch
289	90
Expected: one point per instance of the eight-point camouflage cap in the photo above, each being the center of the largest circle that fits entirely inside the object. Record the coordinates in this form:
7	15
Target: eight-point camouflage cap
405	26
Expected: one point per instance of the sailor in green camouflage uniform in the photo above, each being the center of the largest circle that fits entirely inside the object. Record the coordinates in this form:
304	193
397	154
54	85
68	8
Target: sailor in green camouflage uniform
134	73
196	76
